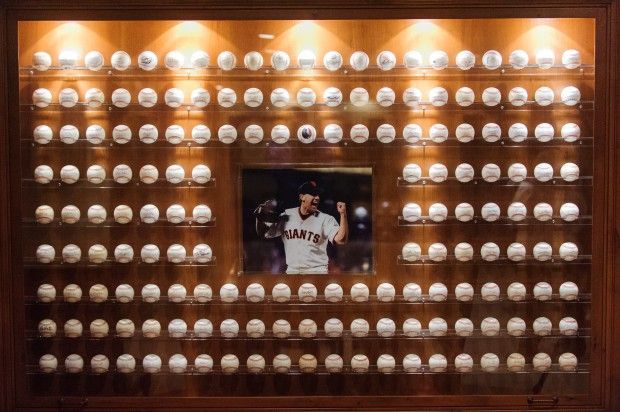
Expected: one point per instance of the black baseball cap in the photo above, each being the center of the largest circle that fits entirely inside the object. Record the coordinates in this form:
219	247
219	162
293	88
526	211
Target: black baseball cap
310	187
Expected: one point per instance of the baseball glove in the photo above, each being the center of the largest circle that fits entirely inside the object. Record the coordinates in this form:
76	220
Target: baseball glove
268	212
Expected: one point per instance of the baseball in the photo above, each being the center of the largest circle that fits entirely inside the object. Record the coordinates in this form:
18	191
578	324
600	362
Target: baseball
151	293
386	133
175	174
124	293
174	60
95	174
125	328
359	292
149	213
175	134
412	327
541	362
492	59
491	96
489	362
386	327
43	134
306	97
438	327
412	212
281	328
99	328
490	326
568	326
437	252
199	59
72	293
97	254
177	363
438	212
517	172
151	363
253	134
437	363
569	291
95	134
359	61
359	328
464	292
123	253
44	214
203	363
307	363
386	60
68	97
517	96
71	253
281	293
412	96
517	132
121	98
120	60
412	363
542	251
253	60
569	251
282	363
177	293
463	362
386	363
464	212
73	328
255	364
490	292
438	172
438	59
148	133
203	293
517	211
360	363
149	253
412	292
570	132
280	97
518	59
567	362
465	96
569	172
515	362
438	292
412	133
332	60
465	60
386	292
255	292
438	133
543	291
412	59
41	61
465	133
174	97
176	253
99	364
545	58
122	174
543	212
464	172
280	60
94	97
307	133
491	132
385	96
280	134
412	172
201	134
438	96
333	327
359	133
411	252
229	328
463	252
74	363
41	97
543	172
253	97
464	327
516	327
226	97
201	174
544	96
516	252
332	133
516	291
491	172
200	97
542	326
47	328
490	211
151	328
569	212
571	59
226	60
229	364
332	96
255	328
229	293
333	292
544	132
359	97
147	60
307	292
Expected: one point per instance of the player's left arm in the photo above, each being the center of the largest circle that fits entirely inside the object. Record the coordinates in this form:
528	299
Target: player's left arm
342	234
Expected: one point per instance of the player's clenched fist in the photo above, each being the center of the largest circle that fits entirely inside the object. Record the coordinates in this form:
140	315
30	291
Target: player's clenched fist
341	207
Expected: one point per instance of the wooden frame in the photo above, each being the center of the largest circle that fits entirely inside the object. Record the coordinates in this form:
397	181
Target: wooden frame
607	14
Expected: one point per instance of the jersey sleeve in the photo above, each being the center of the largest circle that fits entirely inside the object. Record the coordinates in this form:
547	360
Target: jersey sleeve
330	228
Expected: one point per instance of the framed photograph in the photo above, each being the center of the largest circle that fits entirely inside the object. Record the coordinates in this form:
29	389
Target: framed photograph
307	220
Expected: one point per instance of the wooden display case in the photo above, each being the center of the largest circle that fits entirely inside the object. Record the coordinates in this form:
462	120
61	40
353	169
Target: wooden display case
345	27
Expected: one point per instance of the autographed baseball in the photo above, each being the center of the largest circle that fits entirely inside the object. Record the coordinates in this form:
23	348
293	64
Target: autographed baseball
542	251
464	292
516	252
464	327
490	292
203	293
307	292
543	212
516	291
465	96
412	172
412	327
438	327
515	362
412	363
412	59
463	362
569	251
412	292
516	326
568	326
542	326
464	212
517	132
491	96
465	60
437	363
437	252
571	58
359	292
543	291
489	362
203	363
492	59
281	292
465	133
518	59
490	326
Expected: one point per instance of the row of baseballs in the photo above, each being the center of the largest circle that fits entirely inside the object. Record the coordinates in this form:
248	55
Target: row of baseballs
332	133
307	363
464	252
307	293
307	97
122	174
491	172
123	214
307	328
306	59
490	212
124	253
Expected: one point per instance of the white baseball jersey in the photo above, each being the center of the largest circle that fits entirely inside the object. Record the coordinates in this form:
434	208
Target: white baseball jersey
305	240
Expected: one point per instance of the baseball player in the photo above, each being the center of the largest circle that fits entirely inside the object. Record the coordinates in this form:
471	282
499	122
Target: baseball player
304	230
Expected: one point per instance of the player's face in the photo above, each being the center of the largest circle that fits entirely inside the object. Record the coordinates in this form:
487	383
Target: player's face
310	202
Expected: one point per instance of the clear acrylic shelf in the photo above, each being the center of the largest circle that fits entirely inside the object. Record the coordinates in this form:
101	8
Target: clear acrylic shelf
111	223
82	183
583	220
84	263
502	181
502	260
